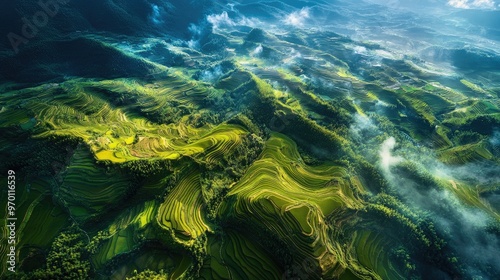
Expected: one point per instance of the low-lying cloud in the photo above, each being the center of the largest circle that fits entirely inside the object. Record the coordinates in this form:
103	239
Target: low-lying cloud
472	4
387	160
211	75
223	20
220	20
362	127
156	14
495	138
464	228
297	18
258	50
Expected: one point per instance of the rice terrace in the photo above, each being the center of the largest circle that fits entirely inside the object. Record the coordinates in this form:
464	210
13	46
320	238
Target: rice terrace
250	139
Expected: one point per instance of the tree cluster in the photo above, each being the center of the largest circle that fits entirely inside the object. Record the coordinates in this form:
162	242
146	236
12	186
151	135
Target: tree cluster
149	275
67	259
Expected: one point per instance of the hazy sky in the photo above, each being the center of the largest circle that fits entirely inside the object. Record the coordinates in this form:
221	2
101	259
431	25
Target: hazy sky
473	4
459	4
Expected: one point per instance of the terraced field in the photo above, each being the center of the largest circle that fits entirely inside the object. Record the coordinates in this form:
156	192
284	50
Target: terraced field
184	140
87	189
285	195
234	256
181	212
370	251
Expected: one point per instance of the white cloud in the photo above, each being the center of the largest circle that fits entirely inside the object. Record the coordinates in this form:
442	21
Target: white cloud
362	125
472	4
220	20
195	29
211	75
297	18
293	55
258	50
495	138
156	14
360	50
252	22
193	44
386	158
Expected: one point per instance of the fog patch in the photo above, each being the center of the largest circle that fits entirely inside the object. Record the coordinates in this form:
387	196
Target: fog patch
156	14
322	83
362	127
220	20
465	228
193	44
211	75
380	107
472	4
360	50
292	57
298	18
482	173
387	160
258	50
250	22
495	138
195	29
